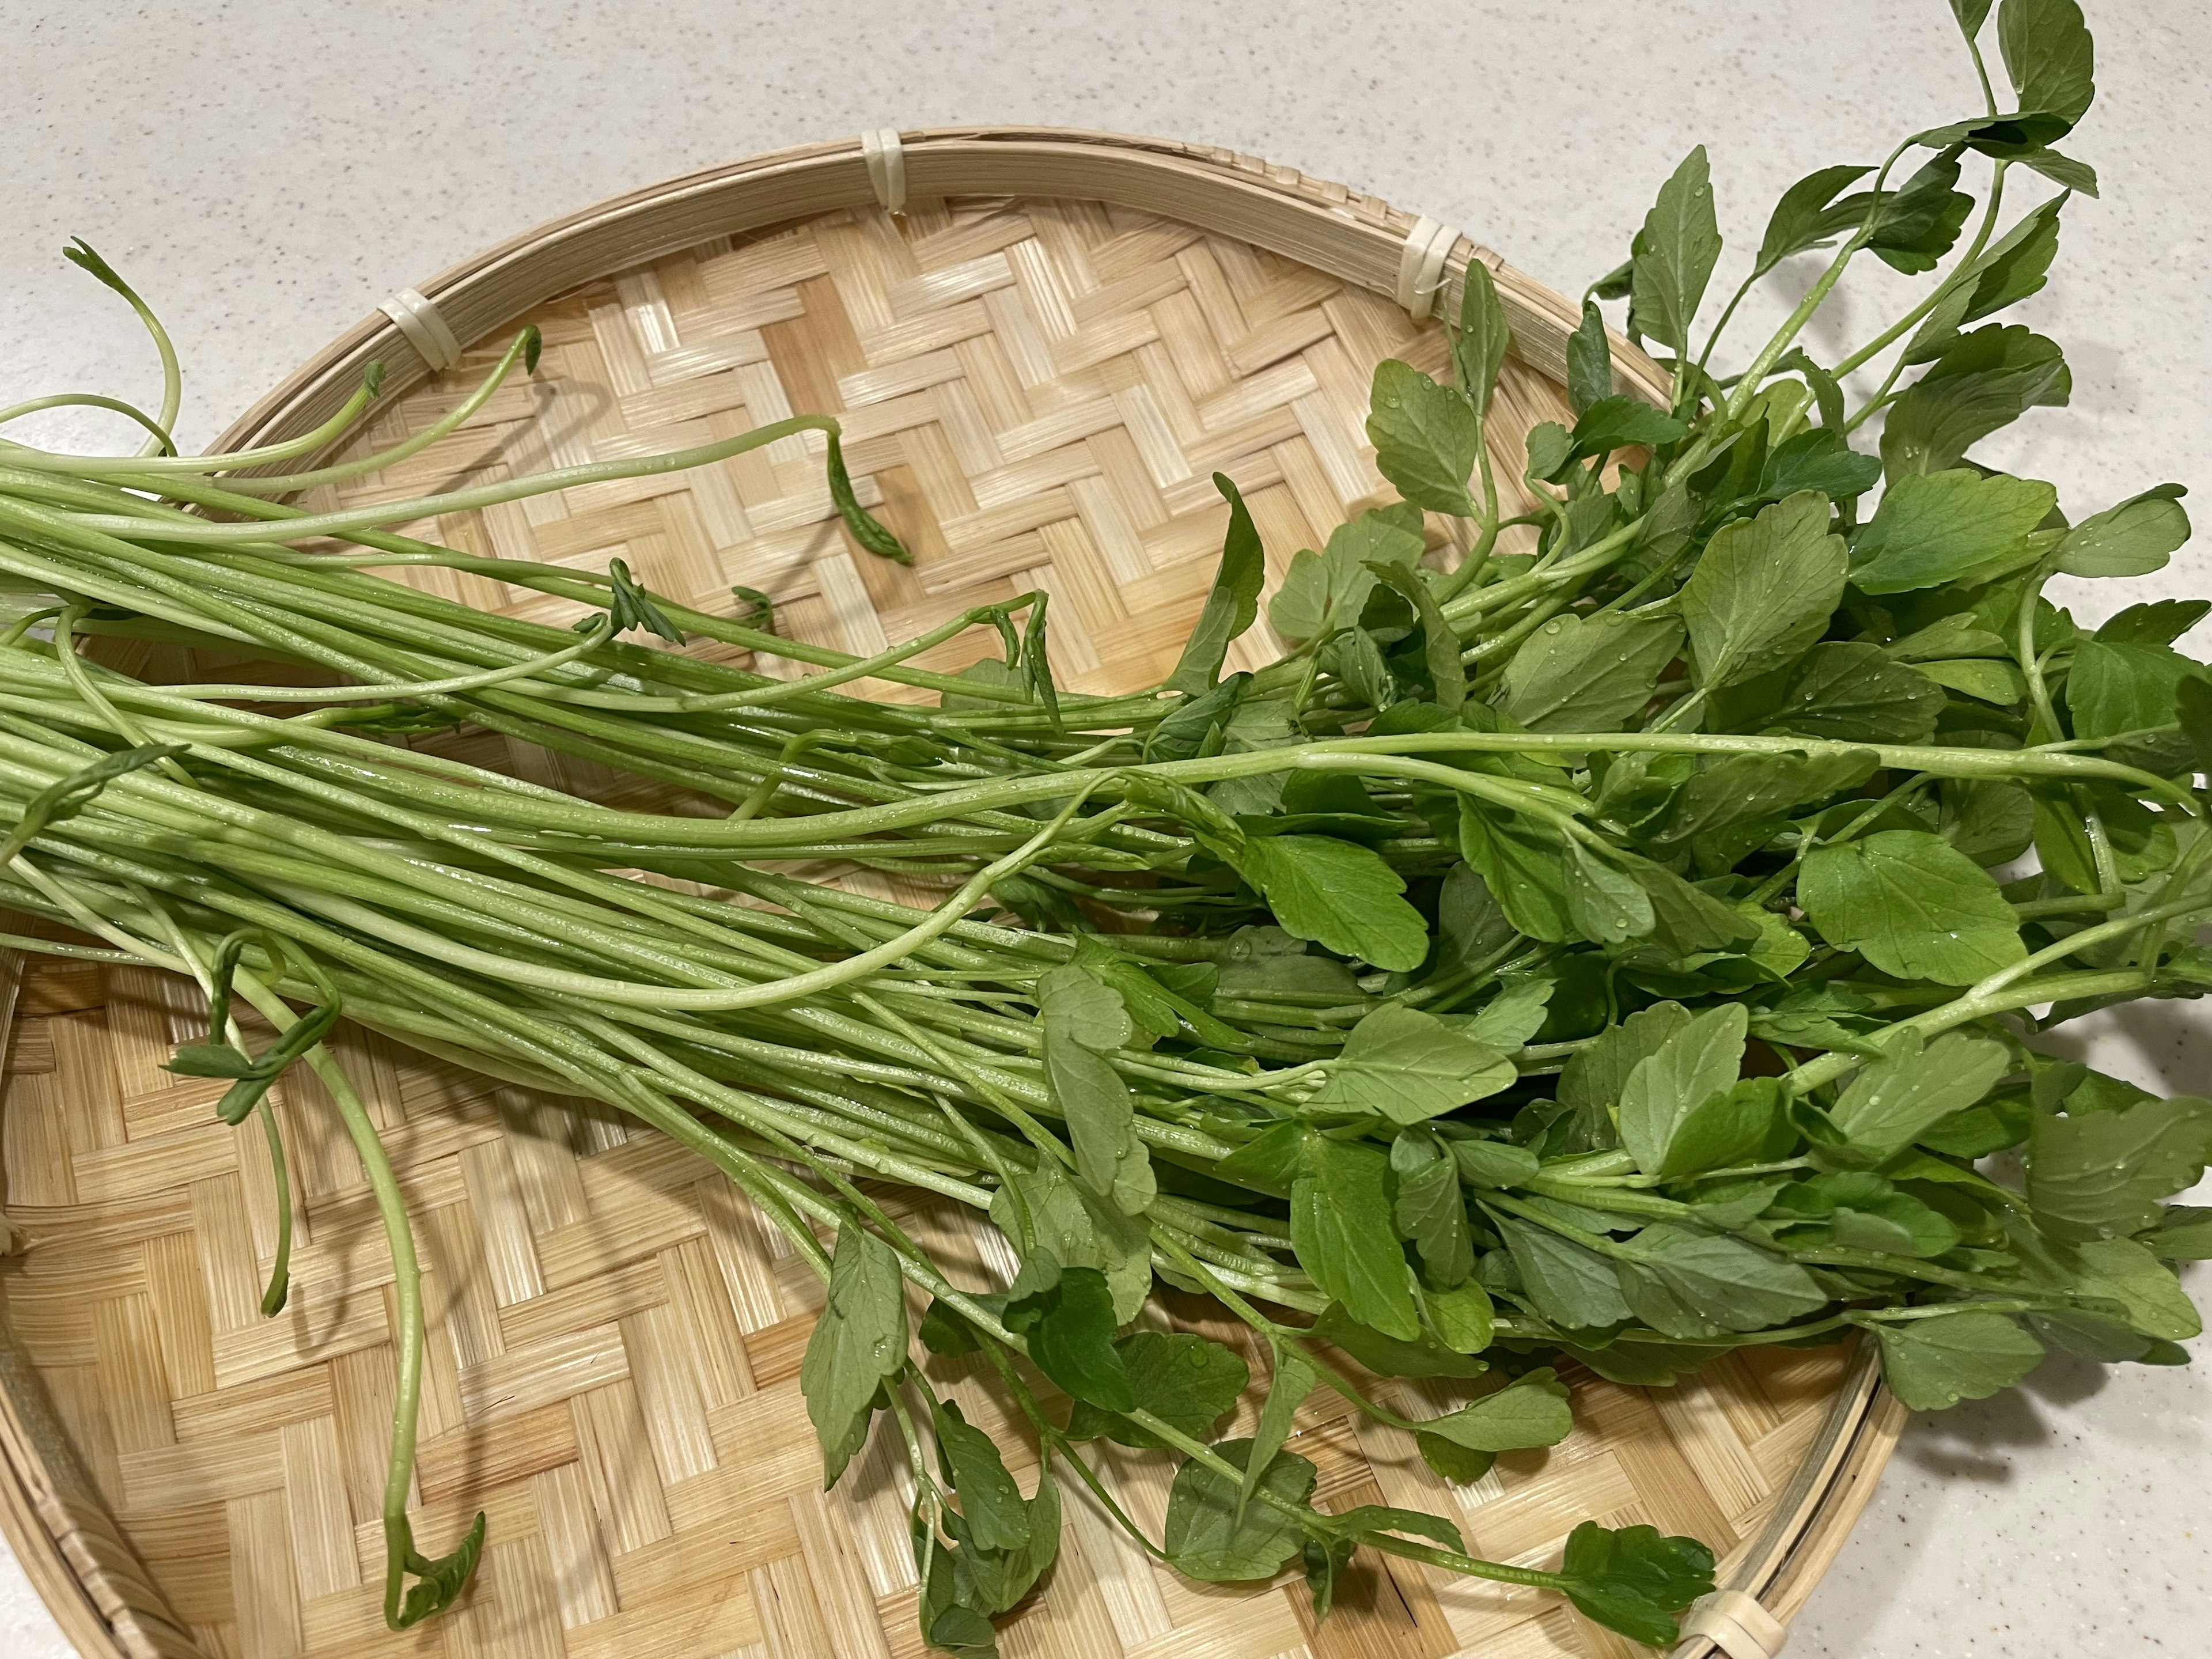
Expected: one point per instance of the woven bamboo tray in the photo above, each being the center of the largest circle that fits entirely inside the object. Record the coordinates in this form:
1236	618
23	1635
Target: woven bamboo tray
1039	363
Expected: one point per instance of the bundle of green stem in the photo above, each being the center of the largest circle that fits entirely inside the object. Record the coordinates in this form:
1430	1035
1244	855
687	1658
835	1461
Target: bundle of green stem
1591	953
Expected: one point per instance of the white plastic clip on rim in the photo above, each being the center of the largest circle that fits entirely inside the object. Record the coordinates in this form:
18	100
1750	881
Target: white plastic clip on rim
1421	266
886	160
426	330
1736	1624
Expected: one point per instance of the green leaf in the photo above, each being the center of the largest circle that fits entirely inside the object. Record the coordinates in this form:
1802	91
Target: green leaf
993	1581
990	1503
2132	539
1931	1364
1619	421
1730	1127
2183	1233
1635	1581
947	1333
1512	1017
1324	591
1078	1230
1941	527
1605	904
1440	646
1914	226
2101	1175
1730	789
1069	1322
1523	865
1080	1016
1470	924
2124	685
1912	904
1809	216
1389	1356
1340	1227
1208	1538
1462	1317
1380	1517
1725	1279
1589	361
1264	960
1697	1061
1551	447
872	536
2016	266
1494	1163
1845	690
1588	674
1764	589
1185	1381
440	1582
1427	438
1821	458
1982	381
1341	895
1591	1085
1913	1088
946	1613
1531	1411
1569	1284
2048	55
858	1343
1675	252
2121	1270
1232	602
1479	346
1430	1212
1294	1379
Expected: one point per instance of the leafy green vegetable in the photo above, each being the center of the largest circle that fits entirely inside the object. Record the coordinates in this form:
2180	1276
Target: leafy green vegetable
1426	438
1209	1537
1186	1380
858	1343
1340	1227
1932	1363
1763	590
1913	905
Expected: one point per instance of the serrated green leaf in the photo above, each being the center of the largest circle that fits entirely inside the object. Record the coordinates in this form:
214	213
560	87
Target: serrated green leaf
1764	589
1341	895
2102	1175
1427	437
1699	1061
1675	252
1209	1538
1184	1380
2048	55
1231	602
1946	527
857	1343
1635	1581
2132	539
1588	674
1912	904
1479	346
1340	1227
1931	1364
1430	1209
1324	591
1810	215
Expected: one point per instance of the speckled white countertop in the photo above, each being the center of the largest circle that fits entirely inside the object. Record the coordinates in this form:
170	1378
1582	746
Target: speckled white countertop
265	171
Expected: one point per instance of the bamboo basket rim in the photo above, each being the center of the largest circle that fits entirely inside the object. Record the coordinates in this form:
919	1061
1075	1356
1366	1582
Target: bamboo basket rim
1355	237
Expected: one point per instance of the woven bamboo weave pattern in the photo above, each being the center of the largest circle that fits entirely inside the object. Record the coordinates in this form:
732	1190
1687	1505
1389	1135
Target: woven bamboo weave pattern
1035	395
